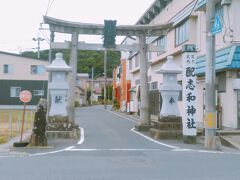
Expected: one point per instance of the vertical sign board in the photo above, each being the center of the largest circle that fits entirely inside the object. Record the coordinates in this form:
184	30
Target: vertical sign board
189	90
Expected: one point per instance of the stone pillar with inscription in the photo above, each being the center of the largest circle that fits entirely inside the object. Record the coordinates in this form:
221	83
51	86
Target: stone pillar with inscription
189	93
58	124
169	125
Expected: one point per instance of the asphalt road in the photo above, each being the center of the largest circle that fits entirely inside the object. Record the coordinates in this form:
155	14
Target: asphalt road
111	150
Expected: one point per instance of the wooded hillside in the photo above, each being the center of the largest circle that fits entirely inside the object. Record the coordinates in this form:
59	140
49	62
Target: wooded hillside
86	60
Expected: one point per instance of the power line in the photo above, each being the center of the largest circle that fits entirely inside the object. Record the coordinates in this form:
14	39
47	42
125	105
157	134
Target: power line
49	6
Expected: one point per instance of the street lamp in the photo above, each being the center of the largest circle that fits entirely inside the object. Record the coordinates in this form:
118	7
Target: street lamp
38	47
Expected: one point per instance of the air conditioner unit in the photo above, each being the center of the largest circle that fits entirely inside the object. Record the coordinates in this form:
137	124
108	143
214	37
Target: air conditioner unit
226	2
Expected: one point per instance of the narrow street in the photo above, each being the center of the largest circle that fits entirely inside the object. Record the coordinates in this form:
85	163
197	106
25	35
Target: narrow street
110	149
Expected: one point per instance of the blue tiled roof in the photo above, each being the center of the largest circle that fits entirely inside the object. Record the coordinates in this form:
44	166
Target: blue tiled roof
227	58
200	4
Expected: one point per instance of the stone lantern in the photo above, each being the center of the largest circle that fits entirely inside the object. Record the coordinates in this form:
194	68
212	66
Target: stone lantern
169	125
170	88
58	85
58	125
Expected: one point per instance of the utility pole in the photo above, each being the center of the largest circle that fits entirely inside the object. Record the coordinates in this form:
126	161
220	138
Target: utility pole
210	111
105	77
92	86
38	47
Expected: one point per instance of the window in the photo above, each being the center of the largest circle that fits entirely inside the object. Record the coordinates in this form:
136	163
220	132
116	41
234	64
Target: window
7	68
161	42
136	61
38	92
37	69
180	93
154	85
238	74
149	86
221	81
181	33
15	91
96	85
130	65
137	82
149	56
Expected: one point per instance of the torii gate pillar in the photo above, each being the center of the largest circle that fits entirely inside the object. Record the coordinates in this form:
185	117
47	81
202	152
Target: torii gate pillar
72	77
144	123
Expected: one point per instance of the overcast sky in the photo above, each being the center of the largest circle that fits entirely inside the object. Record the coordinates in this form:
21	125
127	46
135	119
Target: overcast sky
20	19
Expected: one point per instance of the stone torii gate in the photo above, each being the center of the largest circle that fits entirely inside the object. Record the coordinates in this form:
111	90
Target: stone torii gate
140	31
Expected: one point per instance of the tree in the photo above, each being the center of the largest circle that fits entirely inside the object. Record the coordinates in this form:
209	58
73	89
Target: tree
86	60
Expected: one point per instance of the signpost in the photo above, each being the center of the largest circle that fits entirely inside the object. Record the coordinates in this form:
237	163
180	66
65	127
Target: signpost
217	25
25	97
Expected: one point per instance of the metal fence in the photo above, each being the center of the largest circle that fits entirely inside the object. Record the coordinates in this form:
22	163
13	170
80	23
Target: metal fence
11	122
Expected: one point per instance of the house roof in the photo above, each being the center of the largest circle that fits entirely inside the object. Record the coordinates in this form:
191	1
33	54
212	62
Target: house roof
156	7
226	58
18	55
200	4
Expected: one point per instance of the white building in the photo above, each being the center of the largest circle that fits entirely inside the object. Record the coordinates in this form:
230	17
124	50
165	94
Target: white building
189	27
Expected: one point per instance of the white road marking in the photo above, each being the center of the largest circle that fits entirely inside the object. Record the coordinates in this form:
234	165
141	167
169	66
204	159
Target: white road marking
51	152
7	156
157	142
179	150
132	120
213	152
82	138
199	151
69	148
87	150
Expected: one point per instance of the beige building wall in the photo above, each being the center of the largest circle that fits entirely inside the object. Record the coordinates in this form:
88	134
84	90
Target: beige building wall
21	68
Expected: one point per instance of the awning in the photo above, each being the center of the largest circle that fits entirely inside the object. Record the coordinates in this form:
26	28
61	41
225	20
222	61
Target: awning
226	58
183	14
